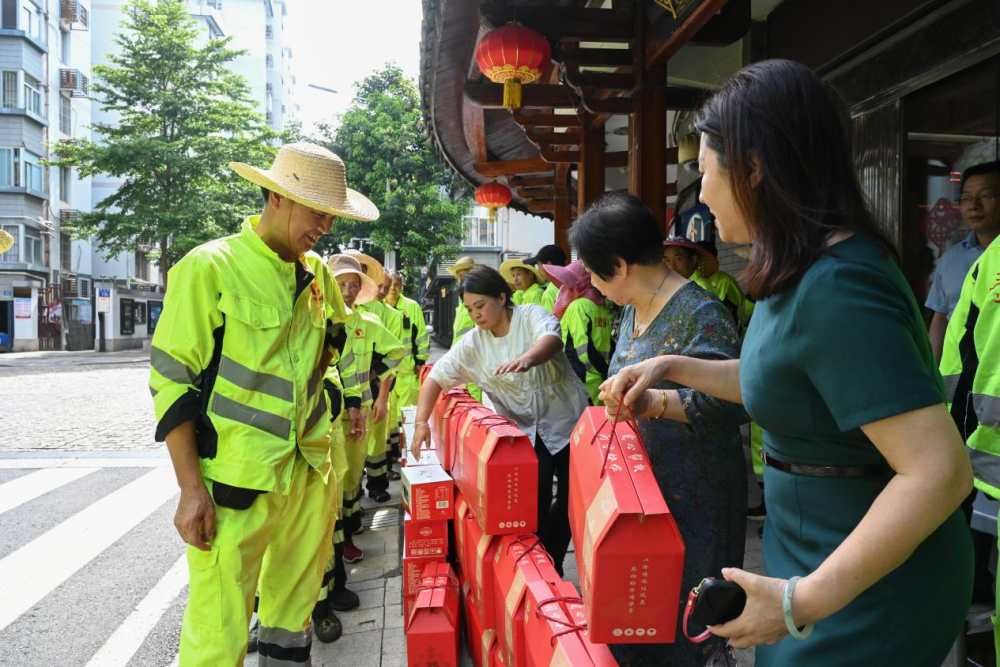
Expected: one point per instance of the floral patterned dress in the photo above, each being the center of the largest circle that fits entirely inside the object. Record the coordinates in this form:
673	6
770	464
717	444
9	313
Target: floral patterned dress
700	466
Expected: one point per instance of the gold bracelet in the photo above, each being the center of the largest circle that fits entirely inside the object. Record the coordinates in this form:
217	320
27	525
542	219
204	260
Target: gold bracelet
663	409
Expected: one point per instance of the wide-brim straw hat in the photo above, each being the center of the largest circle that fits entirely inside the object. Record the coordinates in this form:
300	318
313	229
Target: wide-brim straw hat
708	262
342	264
6	242
507	270
371	266
312	176
461	264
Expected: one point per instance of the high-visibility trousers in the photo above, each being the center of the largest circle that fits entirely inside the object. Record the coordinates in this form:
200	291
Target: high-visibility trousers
357	452
279	546
377	460
756	447
334	575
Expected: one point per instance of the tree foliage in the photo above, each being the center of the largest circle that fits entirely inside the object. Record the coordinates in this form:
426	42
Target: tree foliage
182	117
385	147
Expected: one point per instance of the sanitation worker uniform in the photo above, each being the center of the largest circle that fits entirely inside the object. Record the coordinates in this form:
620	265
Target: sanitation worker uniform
549	297
242	347
586	332
377	459
406	388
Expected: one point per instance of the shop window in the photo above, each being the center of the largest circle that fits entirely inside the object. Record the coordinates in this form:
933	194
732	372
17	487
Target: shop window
949	126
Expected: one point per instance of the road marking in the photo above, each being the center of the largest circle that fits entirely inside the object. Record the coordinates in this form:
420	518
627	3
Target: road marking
21	464
123	644
36	569
21	490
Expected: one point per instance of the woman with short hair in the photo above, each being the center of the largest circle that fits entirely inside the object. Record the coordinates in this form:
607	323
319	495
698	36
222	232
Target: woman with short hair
515	356
869	559
693	439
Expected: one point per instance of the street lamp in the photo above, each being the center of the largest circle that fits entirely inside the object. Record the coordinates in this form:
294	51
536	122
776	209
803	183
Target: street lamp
323	88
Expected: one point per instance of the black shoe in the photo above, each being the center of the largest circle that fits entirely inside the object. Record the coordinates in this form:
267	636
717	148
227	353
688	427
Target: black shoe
758	513
380	496
342	599
252	644
329	629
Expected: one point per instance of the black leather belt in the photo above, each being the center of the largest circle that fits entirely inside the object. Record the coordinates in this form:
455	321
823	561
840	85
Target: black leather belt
876	470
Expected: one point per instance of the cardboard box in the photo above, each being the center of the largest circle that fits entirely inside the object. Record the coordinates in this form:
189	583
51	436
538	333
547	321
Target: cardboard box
548	629
413	569
496	656
433	631
519	560
480	555
461	511
450	406
497	470
480	641
426	538
628	549
427	493
428	457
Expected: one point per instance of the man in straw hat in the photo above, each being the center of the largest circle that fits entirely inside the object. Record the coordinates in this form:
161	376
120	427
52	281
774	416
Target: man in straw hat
463	321
371	359
250	326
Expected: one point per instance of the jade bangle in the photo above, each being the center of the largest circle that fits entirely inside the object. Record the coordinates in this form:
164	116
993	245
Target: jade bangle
786	610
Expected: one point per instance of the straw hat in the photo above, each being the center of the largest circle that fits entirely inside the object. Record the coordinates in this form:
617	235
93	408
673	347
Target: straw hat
461	264
371	266
708	262
341	264
312	176
6	242
507	270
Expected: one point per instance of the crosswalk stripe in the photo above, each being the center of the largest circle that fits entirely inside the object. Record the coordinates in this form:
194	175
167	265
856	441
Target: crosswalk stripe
128	638
22	489
96	462
36	569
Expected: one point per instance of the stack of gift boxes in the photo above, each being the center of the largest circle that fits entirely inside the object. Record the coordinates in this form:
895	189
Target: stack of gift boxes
469	547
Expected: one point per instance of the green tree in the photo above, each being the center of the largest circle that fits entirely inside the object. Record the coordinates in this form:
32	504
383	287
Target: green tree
183	116
385	147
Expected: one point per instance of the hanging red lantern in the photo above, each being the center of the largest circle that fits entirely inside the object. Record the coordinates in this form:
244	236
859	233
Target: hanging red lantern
493	195
513	55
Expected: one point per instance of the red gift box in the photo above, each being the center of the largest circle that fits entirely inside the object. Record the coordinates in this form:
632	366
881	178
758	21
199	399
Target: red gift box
497	470
425	371
555	628
427	493
413	569
442	422
480	641
480	554
461	511
433	631
426	538
496	656
519	560
628	549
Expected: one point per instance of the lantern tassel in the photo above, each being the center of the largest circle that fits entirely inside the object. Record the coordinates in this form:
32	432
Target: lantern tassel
512	94
493	215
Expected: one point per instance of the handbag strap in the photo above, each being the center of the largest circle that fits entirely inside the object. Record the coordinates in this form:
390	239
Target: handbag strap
704	636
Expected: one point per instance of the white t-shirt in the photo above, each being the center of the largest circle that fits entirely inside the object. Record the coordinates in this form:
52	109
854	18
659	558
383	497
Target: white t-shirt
548	399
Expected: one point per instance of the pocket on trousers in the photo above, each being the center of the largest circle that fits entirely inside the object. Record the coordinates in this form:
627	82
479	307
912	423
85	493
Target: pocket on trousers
205	598
233	497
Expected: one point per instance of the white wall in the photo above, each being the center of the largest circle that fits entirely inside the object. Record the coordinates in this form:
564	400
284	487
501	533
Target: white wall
525	233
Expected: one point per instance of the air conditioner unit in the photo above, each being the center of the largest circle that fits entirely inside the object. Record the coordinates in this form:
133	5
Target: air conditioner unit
74	82
69	215
74	14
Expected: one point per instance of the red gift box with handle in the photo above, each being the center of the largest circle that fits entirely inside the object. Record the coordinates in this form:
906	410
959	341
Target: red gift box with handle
433	631
480	641
427	538
442	422
497	470
519	560
629	552
480	554
458	525
555	628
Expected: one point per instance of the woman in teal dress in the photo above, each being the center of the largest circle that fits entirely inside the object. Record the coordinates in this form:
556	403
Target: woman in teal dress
693	439
865	470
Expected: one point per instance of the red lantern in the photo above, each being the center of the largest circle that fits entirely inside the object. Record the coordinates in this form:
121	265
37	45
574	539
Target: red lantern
493	195
513	55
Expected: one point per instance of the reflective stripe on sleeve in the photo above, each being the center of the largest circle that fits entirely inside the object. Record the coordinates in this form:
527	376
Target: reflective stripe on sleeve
170	368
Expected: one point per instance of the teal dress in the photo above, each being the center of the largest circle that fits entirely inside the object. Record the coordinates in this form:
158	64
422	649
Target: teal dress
842	348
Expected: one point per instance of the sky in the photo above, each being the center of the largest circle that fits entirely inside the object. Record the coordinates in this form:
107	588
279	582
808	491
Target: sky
338	42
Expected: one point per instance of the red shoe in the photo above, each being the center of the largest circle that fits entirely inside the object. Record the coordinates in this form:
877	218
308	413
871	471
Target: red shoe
352	554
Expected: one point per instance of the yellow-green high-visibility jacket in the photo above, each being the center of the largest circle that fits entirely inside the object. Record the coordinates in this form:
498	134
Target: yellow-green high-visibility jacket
241	348
414	331
370	349
534	294
391	319
724	286
970	366
463	323
586	331
550	296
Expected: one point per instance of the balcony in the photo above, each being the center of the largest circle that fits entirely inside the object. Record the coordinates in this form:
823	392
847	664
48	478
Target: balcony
74	15
68	216
74	82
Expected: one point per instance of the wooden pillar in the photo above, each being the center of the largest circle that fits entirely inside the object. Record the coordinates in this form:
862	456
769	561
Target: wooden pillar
590	170
562	216
648	129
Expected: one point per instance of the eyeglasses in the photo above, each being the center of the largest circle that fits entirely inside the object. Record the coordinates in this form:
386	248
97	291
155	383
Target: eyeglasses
983	199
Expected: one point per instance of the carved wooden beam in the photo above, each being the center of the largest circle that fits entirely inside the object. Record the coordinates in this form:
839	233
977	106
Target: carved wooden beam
507	167
570	136
537	118
658	53
543	96
531	181
474	127
595	57
558	157
557	23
